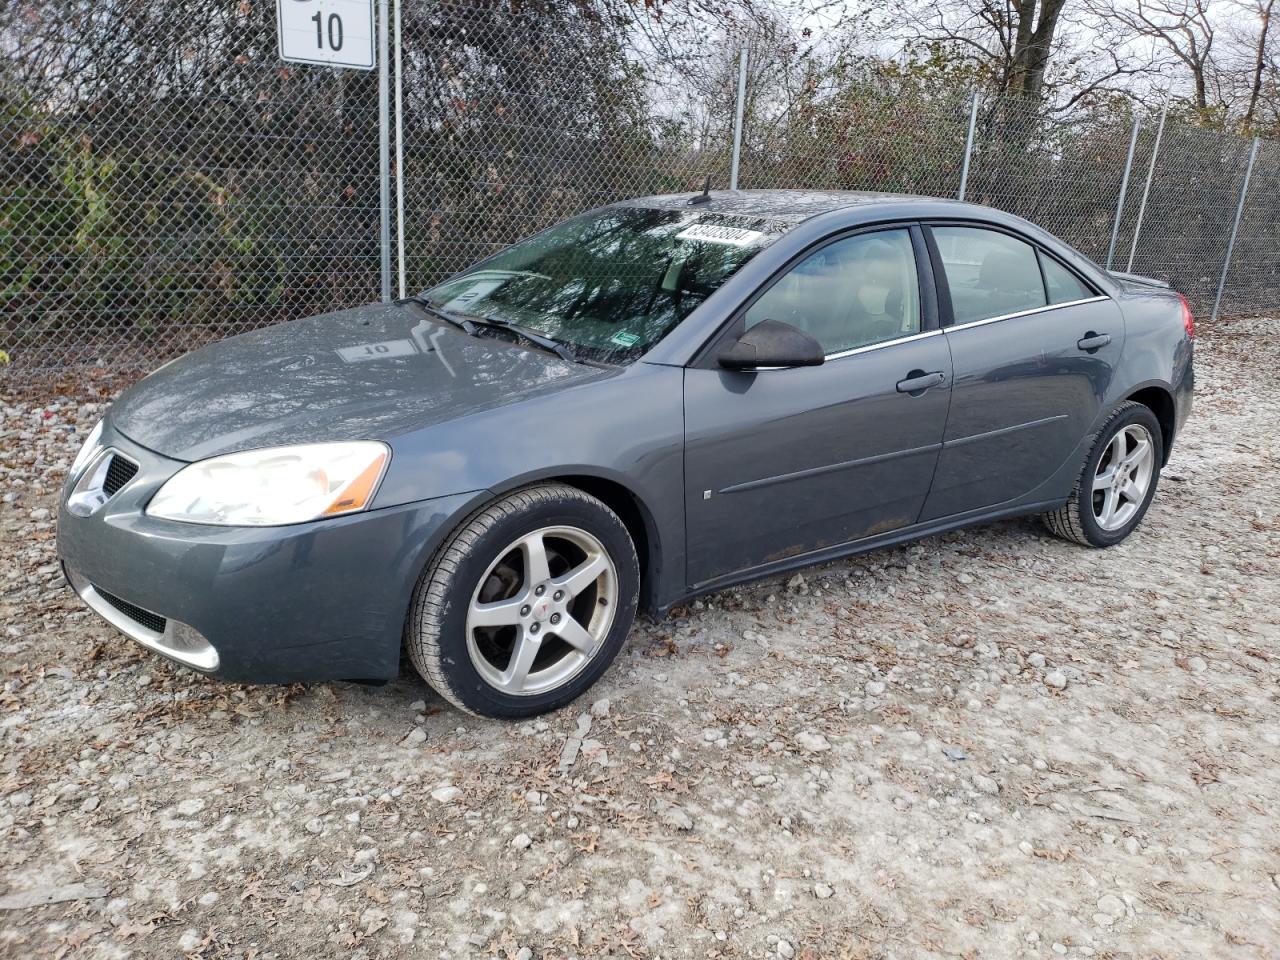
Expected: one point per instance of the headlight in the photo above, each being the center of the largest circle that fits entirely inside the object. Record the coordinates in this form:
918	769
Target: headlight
274	486
86	449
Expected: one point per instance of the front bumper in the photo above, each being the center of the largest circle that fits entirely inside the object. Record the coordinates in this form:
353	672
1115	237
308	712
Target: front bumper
314	601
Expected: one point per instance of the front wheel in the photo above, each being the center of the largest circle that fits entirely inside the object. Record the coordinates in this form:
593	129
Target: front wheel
1117	483
527	604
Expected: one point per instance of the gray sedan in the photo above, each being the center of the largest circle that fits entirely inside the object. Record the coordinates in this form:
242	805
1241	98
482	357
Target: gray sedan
652	400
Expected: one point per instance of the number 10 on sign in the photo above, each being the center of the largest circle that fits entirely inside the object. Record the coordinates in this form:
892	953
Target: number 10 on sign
334	32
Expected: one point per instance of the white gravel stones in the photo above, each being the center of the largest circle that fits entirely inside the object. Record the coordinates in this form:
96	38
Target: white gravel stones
1132	810
1111	905
447	793
676	817
521	841
569	754
813	742
985	784
190	941
1056	679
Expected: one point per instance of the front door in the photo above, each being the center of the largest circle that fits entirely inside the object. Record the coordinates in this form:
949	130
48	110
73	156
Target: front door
783	462
1033	349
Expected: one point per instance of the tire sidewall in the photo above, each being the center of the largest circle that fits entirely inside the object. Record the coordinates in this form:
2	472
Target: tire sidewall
1143	417
465	681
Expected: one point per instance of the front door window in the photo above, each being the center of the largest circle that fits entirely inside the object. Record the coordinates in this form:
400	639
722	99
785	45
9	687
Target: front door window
851	293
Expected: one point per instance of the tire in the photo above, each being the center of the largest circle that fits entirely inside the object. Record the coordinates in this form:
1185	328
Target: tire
501	633
1102	509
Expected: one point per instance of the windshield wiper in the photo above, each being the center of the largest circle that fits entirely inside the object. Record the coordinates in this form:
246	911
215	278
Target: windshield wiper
467	326
471	325
561	350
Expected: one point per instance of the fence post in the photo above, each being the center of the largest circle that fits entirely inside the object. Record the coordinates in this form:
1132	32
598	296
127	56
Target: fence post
1124	189
1235	227
384	146
399	152
968	146
737	120
1146	190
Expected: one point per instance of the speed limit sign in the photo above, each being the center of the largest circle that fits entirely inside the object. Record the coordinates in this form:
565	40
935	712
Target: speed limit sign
334	32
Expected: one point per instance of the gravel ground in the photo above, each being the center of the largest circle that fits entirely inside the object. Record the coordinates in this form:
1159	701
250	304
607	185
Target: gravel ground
989	743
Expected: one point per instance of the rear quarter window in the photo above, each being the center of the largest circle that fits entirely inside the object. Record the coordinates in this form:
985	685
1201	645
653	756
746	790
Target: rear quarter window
1062	285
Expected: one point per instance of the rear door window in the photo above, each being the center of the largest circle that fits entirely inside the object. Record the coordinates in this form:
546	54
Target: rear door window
989	274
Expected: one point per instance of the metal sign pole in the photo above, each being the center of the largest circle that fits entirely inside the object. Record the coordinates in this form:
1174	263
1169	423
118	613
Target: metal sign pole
737	121
399	151
1235	227
1124	189
1146	190
968	146
384	145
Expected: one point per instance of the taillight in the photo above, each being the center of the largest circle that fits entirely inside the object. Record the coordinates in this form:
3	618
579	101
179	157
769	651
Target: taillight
1188	318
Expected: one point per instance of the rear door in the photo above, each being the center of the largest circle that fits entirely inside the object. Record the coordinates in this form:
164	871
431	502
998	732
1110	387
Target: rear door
781	462
1033	348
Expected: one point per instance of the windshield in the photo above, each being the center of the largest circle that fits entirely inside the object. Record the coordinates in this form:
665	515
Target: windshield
611	283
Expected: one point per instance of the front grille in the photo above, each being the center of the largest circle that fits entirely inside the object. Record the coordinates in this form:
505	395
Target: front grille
119	472
153	622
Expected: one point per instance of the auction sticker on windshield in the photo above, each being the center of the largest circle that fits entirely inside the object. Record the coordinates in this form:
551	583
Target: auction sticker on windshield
715	233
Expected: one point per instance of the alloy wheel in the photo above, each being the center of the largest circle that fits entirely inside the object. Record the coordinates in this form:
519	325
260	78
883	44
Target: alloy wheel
542	610
1123	477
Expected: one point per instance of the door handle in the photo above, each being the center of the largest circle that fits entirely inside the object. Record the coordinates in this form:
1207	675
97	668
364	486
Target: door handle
918	382
1093	342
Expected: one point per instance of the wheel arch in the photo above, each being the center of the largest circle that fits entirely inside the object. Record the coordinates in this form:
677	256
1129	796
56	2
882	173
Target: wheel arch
1159	400
631	509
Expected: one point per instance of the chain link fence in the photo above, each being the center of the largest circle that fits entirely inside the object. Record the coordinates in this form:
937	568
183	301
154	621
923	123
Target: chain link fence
181	184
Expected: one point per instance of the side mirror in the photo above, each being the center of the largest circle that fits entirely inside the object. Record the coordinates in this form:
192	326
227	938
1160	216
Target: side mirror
772	343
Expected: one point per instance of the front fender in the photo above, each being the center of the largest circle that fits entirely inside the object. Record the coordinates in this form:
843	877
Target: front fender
626	431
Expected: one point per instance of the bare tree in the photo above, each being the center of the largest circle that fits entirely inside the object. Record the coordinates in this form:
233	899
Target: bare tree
1010	41
1261	61
1182	32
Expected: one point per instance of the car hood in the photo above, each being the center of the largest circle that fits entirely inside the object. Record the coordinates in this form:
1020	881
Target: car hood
368	373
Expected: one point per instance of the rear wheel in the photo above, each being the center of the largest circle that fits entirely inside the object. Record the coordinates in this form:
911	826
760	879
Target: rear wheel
1117	483
527	604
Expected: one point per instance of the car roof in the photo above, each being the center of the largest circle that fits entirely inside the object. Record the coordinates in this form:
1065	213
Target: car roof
796	206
